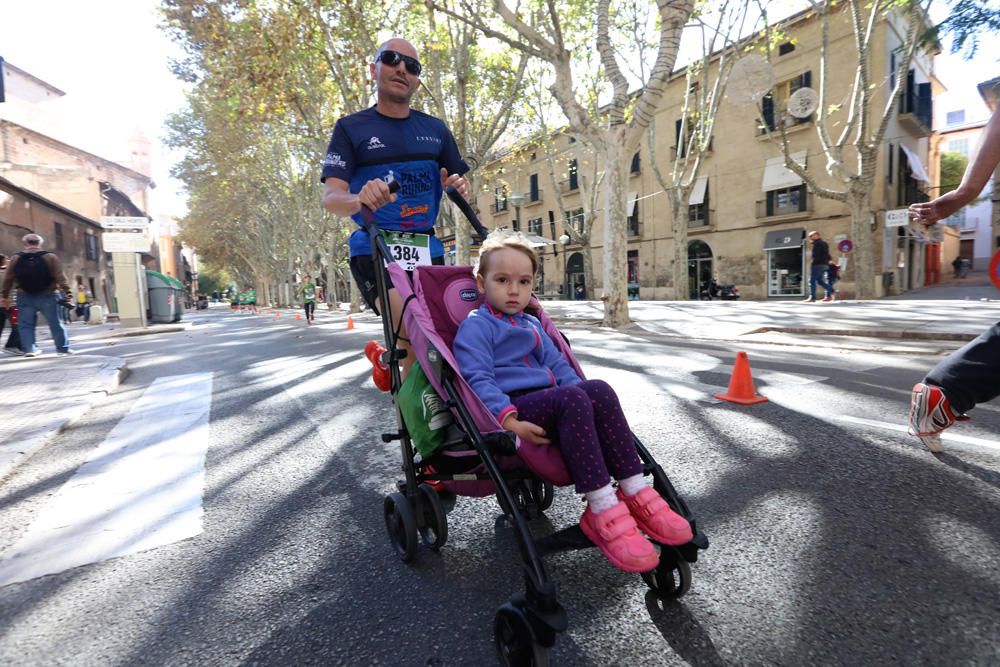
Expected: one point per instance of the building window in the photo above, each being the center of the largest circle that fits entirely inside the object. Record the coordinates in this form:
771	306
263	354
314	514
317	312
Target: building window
552	225
889	173
633	218
60	242
533	192
572	172
775	103
91	246
500	199
955	117
535	226
957	220
698	213
575	218
787	47
916	100
959	146
786	201
634	169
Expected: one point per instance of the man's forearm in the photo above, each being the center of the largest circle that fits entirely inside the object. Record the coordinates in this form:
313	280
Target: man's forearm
341	203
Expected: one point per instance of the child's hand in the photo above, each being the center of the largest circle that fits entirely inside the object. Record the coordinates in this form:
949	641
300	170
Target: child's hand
528	431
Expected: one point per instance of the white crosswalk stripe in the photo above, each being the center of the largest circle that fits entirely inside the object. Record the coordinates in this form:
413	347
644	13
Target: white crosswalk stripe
141	488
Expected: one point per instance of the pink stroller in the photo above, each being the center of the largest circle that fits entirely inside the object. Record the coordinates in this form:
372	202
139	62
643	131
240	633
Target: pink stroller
488	461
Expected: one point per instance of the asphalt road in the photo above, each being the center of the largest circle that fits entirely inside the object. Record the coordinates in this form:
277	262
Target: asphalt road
836	538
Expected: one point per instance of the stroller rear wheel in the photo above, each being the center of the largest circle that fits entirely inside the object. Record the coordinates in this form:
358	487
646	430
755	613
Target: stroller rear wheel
401	524
515	642
672	577
433	524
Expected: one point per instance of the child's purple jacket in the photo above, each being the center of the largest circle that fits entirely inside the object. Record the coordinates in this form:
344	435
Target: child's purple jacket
499	353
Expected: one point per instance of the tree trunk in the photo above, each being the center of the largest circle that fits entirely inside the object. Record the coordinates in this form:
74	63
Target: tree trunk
615	256
861	231
679	270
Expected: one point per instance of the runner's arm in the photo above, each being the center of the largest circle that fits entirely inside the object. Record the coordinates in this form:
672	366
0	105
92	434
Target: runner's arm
338	200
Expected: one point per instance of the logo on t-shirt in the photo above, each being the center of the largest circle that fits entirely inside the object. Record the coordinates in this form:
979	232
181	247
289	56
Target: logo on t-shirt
334	160
374	142
407	211
433	140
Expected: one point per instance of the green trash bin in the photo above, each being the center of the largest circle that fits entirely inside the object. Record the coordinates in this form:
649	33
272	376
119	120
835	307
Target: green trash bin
166	297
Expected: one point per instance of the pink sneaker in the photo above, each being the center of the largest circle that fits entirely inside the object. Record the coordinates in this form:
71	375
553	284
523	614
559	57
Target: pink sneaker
615	533
656	519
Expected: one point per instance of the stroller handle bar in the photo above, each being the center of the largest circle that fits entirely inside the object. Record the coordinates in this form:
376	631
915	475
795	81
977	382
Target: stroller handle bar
368	216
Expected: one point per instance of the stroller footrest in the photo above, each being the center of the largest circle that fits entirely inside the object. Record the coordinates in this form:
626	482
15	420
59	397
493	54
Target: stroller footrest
567	539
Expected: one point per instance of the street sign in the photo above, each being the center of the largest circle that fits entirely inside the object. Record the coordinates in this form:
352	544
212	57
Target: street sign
124	222
845	246
995	270
124	242
897	218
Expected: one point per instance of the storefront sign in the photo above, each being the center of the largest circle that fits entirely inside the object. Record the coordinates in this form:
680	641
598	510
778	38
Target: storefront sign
784	238
899	217
845	246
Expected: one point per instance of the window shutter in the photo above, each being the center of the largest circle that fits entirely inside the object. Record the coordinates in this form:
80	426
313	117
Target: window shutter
803	193
807	78
678	142
770	203
889	171
768	108
534	187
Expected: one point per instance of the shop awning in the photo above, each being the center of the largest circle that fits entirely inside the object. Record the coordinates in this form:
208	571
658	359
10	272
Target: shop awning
698	191
630	204
784	238
777	176
916	166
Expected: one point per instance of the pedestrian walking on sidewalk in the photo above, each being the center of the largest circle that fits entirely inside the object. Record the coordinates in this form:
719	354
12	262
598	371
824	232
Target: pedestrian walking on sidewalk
39	277
820	265
83	300
9	315
970	375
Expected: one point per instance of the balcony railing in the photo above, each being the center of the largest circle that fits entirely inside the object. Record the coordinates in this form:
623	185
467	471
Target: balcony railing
568	186
916	111
498	207
534	197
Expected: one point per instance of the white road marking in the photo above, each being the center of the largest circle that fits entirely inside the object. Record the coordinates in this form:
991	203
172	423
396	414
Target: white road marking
947	436
141	488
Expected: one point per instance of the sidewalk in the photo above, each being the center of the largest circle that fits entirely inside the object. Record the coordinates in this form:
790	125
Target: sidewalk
42	396
911	324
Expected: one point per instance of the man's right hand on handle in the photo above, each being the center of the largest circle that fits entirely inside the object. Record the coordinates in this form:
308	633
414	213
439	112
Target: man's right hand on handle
375	194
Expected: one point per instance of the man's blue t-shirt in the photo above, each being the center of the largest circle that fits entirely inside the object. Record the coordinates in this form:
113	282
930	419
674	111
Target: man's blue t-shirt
367	145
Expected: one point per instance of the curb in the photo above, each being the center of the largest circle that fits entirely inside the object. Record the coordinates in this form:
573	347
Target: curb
149	331
14	454
896	334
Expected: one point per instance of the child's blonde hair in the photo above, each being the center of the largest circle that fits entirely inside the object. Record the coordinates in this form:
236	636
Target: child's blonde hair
505	238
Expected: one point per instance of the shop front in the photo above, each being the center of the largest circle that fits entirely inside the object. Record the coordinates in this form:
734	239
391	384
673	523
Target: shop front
786	262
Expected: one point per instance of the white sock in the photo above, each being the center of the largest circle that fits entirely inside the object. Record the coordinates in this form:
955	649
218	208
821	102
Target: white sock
601	499
632	485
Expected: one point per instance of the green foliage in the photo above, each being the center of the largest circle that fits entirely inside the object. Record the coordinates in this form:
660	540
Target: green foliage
211	279
969	21
952	168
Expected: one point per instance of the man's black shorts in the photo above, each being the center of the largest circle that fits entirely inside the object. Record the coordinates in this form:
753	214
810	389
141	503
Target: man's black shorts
363	270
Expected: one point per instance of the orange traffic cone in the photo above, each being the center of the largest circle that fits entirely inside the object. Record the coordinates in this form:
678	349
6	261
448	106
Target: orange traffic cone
277	313
741	389
266	311
350	322
298	316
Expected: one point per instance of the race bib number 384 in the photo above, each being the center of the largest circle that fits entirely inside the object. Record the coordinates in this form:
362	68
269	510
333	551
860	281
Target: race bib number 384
408	250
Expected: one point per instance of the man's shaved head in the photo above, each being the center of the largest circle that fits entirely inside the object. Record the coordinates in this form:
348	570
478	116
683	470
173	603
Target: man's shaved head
399	44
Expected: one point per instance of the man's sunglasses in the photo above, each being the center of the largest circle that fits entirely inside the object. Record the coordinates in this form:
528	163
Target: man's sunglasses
393	58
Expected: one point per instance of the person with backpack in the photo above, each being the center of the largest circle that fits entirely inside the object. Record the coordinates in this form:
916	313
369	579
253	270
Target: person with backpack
39	277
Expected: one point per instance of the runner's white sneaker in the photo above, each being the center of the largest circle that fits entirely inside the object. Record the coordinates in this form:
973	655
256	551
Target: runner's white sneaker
930	414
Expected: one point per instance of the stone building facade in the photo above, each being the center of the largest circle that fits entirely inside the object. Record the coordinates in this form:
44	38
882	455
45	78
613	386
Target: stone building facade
748	215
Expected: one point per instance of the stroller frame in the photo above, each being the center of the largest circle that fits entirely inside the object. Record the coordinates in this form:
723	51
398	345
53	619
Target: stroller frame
528	625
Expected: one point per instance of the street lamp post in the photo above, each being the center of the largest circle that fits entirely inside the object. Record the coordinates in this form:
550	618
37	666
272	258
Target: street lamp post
517	201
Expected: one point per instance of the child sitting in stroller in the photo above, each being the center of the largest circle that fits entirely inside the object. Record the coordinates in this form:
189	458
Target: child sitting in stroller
520	375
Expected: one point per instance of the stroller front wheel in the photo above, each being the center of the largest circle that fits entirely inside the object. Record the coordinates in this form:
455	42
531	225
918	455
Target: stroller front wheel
515	642
401	524
672	577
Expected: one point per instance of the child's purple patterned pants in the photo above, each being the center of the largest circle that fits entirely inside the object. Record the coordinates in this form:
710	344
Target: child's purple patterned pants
587	423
